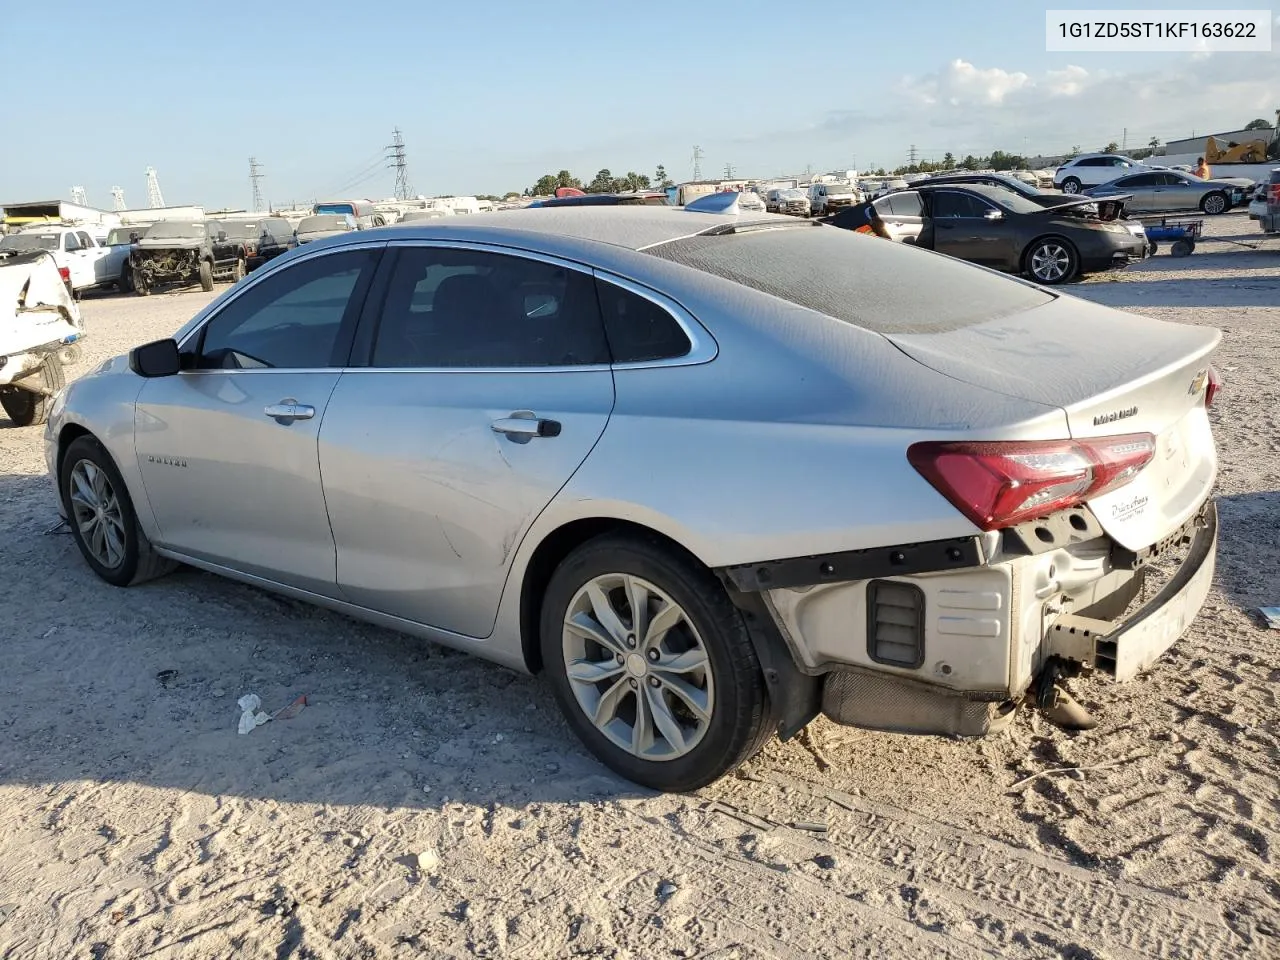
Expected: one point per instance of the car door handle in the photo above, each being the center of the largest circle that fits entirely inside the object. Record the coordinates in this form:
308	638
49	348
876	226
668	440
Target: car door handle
523	425
288	410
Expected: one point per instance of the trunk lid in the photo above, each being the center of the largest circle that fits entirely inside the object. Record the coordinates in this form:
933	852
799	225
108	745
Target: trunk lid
1112	373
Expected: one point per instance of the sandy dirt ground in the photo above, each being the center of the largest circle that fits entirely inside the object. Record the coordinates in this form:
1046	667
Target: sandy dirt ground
426	804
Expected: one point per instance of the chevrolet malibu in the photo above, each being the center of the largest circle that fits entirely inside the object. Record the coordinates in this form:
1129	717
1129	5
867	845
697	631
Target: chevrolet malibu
713	473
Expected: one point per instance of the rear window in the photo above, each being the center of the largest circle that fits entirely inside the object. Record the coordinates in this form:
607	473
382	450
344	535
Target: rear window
875	284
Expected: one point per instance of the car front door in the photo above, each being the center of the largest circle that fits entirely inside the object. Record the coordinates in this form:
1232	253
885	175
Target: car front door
1147	190
962	228
487	384
227	447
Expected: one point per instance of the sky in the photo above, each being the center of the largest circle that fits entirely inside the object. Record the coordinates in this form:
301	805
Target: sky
491	94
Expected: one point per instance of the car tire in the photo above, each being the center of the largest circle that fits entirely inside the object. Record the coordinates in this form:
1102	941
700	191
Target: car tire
1182	248
206	276
239	271
692	696
1215	203
27	409
103	522
125	283
1152	248
1071	185
1051	260
140	285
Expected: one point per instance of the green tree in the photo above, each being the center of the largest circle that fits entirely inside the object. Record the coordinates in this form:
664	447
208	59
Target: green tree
634	181
970	162
1075	151
1154	144
999	160
660	177
1111	147
565	179
948	161
603	183
545	186
1258	124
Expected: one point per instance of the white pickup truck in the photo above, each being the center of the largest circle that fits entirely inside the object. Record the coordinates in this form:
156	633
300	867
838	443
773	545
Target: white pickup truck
83	260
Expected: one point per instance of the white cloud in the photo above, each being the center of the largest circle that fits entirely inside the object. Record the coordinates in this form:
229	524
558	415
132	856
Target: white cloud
961	83
1067	82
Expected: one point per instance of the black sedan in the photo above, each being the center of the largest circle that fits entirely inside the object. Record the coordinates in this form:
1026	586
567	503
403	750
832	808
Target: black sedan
998	228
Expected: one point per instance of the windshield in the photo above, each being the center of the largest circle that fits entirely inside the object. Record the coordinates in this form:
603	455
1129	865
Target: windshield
175	229
121	235
335	208
1014	202
883	287
240	229
325	222
30	241
791	194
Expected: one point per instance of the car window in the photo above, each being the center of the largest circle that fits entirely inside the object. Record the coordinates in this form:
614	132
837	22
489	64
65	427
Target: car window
70	241
950	204
84	238
1141	180
290	319
1089	162
639	329
447	307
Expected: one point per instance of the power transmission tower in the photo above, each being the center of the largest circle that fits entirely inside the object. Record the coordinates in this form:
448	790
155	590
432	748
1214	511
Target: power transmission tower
728	171
78	196
400	164
255	175
117	198
154	197
911	154
697	163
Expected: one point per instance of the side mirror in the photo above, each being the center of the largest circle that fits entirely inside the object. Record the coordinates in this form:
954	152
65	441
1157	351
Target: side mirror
993	215
160	358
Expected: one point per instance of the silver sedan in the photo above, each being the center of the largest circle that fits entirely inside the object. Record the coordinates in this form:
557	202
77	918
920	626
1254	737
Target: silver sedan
713	473
1169	190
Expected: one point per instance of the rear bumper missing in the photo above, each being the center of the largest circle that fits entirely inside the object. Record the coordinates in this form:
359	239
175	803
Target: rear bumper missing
1125	648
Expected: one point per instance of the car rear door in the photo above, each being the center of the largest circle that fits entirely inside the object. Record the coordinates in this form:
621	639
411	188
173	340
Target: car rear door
903	215
480	384
227	447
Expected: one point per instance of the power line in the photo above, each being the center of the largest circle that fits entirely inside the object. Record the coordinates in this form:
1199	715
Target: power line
256	175
400	164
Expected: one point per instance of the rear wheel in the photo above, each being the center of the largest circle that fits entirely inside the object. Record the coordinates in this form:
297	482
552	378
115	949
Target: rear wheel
1071	185
27	409
237	274
652	664
206	276
140	285
102	519
1181	248
1214	203
1051	261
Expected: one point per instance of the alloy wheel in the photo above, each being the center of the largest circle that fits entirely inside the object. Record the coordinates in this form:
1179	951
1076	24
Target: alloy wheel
1050	262
638	667
96	513
1214	203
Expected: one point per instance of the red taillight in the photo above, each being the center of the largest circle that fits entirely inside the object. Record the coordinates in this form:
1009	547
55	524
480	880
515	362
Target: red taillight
1212	387
998	484
65	274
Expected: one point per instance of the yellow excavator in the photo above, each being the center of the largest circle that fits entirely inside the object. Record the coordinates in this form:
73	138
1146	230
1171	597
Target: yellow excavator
1251	151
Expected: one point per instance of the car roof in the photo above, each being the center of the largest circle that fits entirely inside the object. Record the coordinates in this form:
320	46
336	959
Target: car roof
632	227
983	189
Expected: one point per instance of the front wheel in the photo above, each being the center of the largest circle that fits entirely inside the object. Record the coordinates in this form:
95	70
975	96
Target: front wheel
1052	261
140	285
1214	203
28	409
1071	185
652	664
206	276
239	271
125	283
100	513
